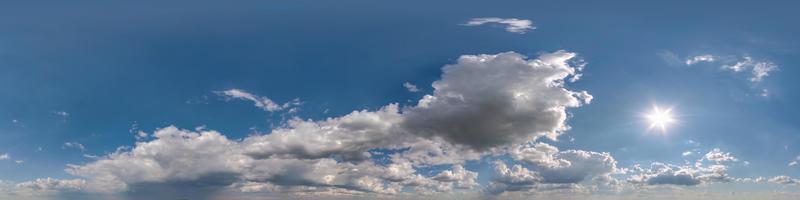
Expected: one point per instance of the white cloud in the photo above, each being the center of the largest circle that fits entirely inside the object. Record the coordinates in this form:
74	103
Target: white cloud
52	185
74	145
666	174
794	162
688	175
516	178
513	25
482	104
552	167
19	161
759	69
718	156
783	180
700	58
209	158
484	101
410	87
4	156
461	177
740	65
686	153
261	102
62	114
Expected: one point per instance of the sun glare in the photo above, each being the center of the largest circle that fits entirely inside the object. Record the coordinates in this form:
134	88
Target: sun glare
660	118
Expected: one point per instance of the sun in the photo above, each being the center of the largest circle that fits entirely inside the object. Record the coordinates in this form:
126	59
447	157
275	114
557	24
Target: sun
660	118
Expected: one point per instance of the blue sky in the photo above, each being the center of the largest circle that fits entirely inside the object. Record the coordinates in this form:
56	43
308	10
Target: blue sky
87	84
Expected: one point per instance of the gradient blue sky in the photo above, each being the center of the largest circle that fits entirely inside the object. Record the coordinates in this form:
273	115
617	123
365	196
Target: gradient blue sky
96	73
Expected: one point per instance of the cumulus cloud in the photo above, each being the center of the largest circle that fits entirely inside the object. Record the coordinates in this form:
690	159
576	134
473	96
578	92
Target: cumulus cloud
717	155
176	158
461	177
700	58
551	167
666	174
410	87
262	102
686	175
484	101
516	178
52	185
481	105
513	25
783	180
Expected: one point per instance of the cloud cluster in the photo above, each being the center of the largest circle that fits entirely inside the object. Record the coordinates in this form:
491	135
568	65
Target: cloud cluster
759	69
784	180
513	25
482	104
549	166
686	175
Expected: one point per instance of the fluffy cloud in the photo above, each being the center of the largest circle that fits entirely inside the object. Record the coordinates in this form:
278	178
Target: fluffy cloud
700	58
349	136
717	155
513	25
482	105
461	177
783	180
687	175
570	166
550	167
261	102
485	101
4	156
52	185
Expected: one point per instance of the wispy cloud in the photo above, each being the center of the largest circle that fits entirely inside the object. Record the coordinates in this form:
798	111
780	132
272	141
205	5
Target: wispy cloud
74	145
513	25
262	102
700	58
410	87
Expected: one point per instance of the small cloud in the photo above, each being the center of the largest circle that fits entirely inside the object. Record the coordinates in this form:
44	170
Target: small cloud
764	93
63	114
700	58
262	102
513	25
4	156
410	87
74	145
687	153
19	162
794	162
17	123
759	69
